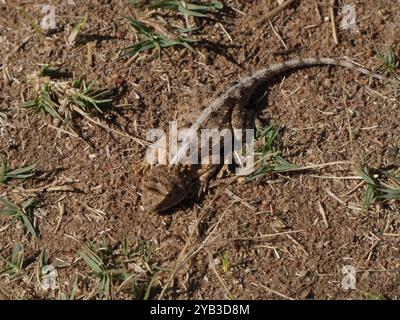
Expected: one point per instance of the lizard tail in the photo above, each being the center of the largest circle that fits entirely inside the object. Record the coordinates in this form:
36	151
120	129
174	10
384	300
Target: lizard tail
260	77
306	62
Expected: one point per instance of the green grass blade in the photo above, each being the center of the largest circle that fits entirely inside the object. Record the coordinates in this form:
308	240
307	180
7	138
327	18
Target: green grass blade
188	12
92	262
281	165
148	290
21	171
369	196
140	27
9	204
389	194
366	176
3	167
28	225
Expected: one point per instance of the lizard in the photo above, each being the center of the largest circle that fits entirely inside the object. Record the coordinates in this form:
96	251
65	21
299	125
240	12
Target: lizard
165	186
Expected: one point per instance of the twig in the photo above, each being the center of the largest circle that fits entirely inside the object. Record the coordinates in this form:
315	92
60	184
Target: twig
181	257
391	234
46	188
323	214
298	244
269	235
89	54
367	255
237	198
274	12
72	134
334	196
184	256
327	164
211	263
61	209
277	35
336	177
106	127
236	9
226	32
272	291
333	23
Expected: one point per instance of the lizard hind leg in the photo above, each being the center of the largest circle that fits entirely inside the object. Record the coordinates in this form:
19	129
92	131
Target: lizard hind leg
206	174
242	119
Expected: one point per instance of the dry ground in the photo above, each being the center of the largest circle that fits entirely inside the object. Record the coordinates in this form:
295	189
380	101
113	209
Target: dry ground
290	234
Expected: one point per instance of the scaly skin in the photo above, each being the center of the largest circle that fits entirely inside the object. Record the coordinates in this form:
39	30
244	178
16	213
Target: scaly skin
165	186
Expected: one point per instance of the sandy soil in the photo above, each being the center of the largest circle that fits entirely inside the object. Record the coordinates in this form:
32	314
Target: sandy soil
289	236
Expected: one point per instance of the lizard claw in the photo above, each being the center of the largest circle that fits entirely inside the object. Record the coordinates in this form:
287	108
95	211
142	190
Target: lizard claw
203	188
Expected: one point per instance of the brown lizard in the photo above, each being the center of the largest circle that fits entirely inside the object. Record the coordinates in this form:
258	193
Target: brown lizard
165	186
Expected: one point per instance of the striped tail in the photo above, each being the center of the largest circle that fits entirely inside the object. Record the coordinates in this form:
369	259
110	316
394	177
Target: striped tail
277	68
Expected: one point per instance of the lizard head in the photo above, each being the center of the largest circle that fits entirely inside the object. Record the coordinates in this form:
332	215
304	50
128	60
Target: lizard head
164	186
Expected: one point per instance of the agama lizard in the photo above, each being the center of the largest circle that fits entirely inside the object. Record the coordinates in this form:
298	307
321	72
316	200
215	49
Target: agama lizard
165	186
